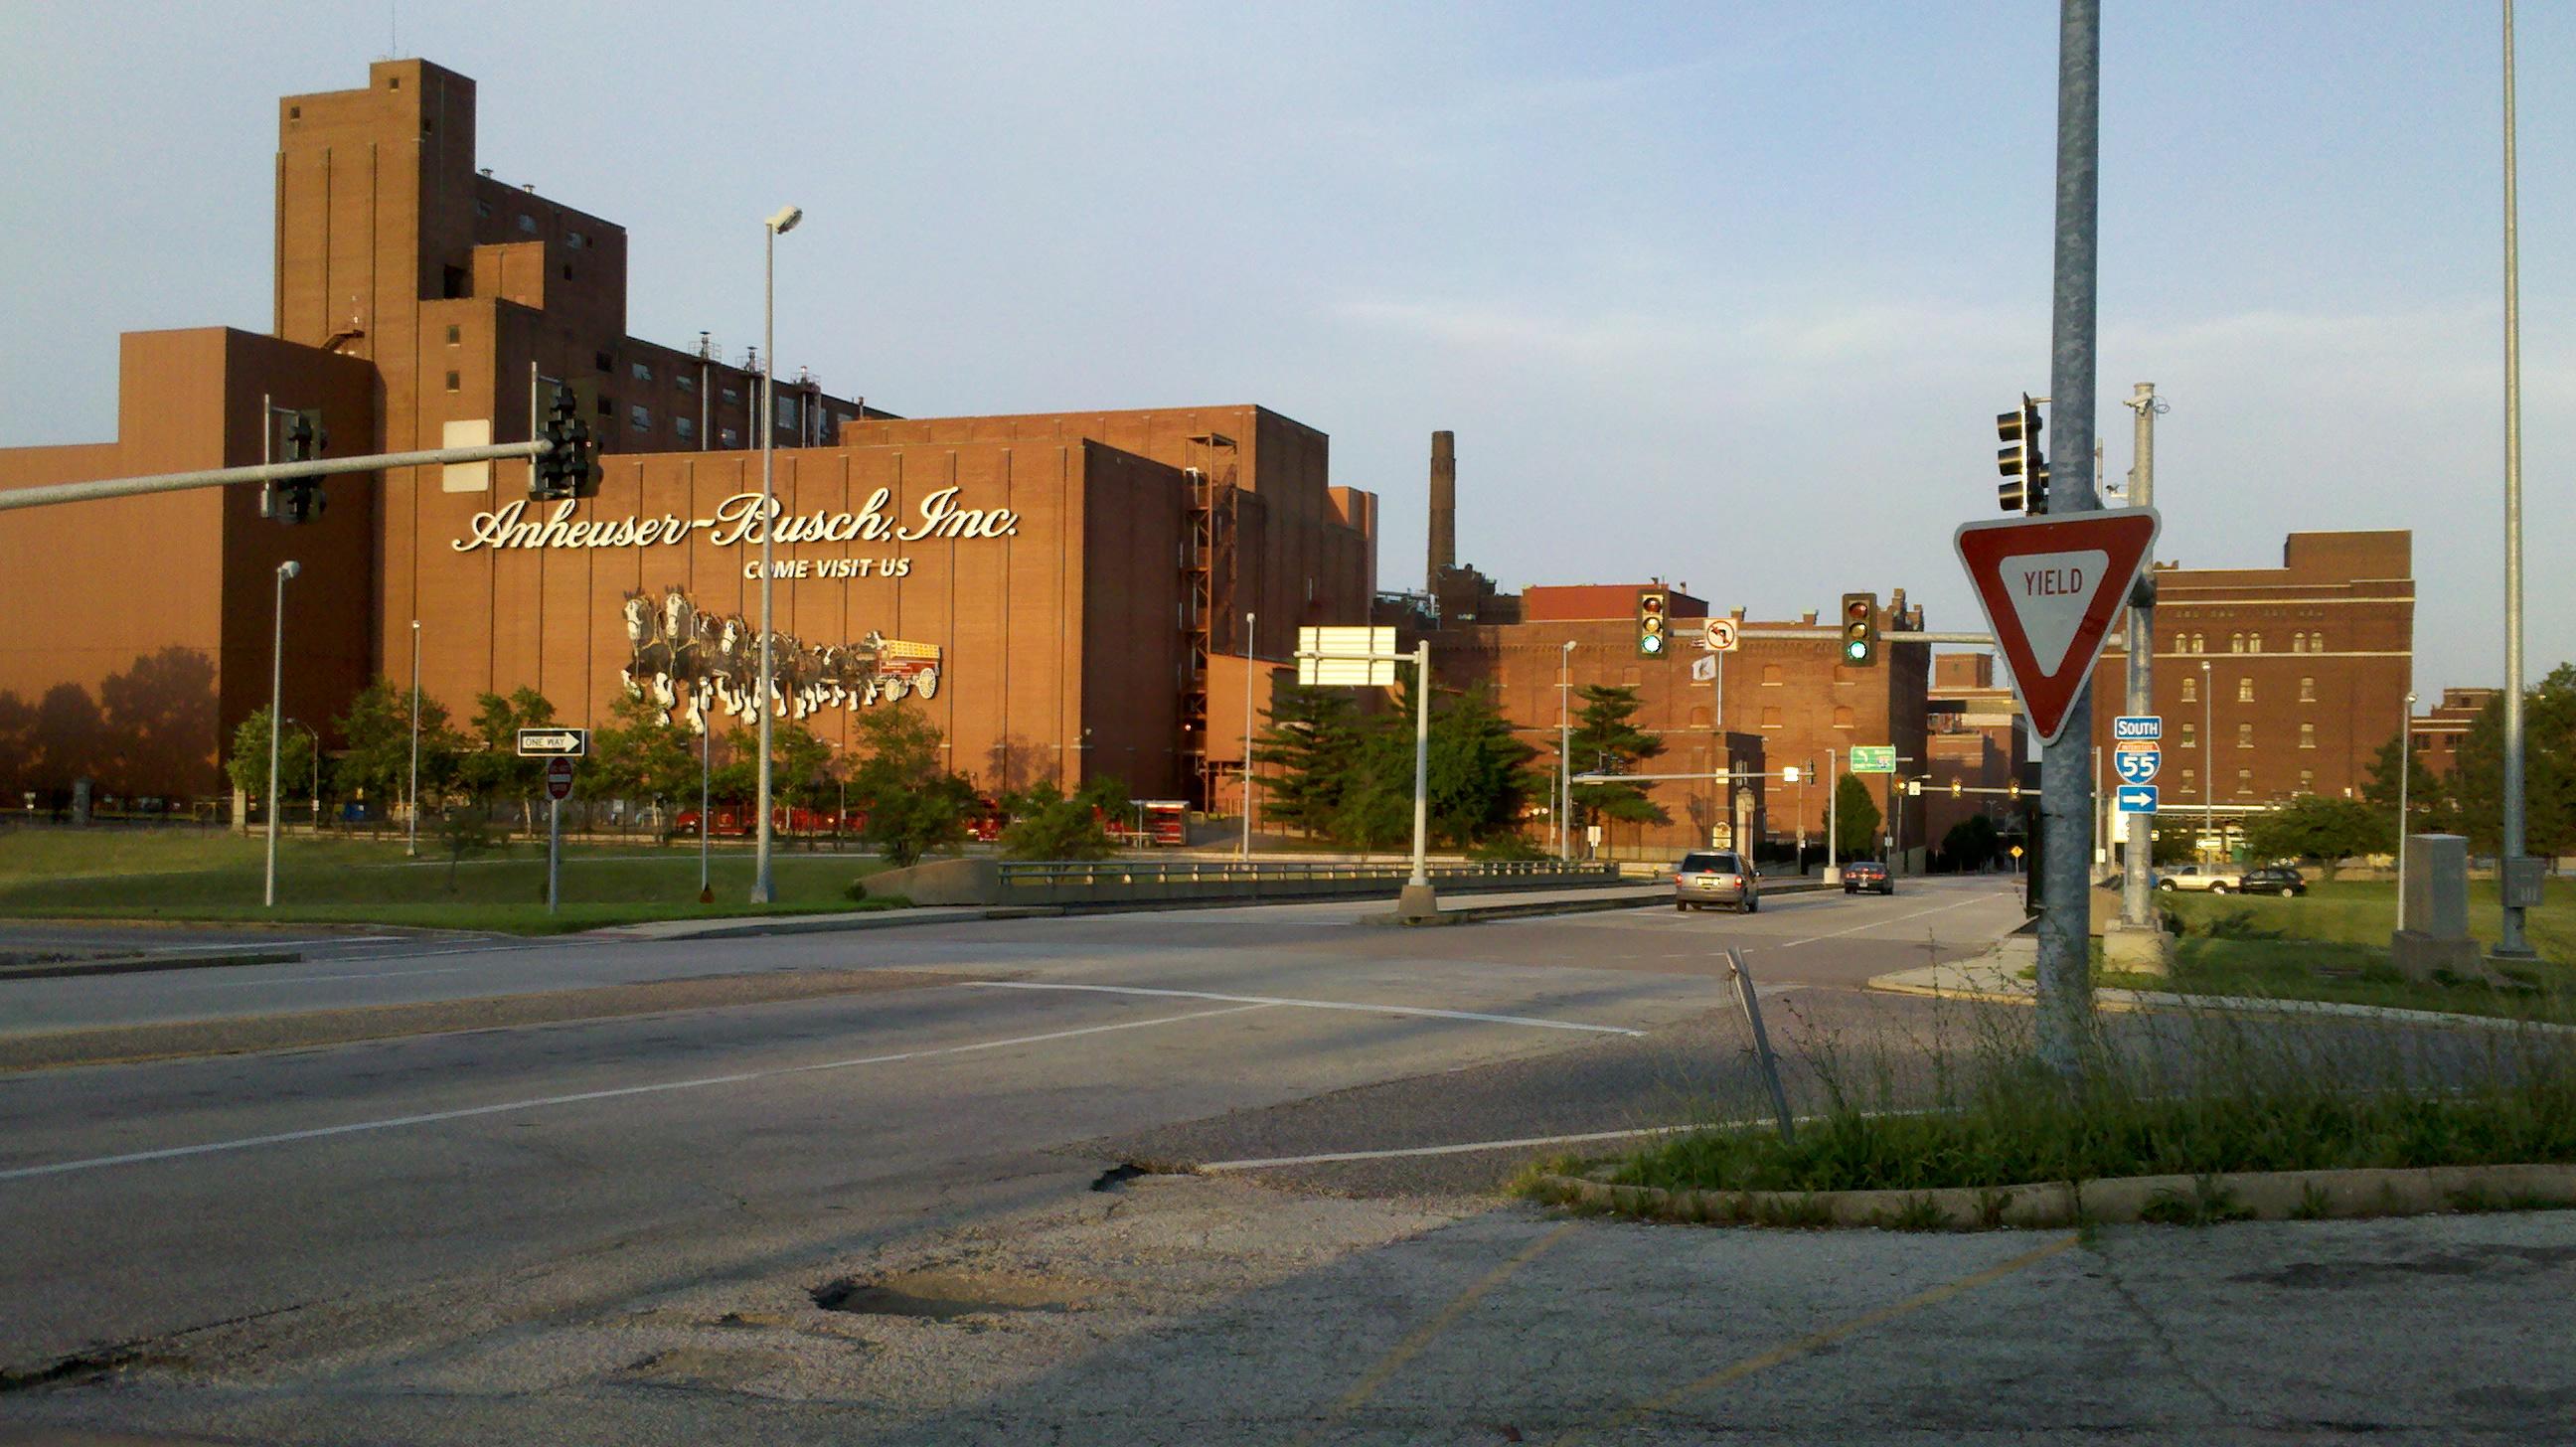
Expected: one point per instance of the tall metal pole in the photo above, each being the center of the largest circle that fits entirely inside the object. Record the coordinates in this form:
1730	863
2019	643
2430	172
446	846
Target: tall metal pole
411	842
2509	939
2142	656
761	889
2066	775
706	816
276	706
1421	763
1565	753
2405	774
2208	755
1247	736
1833	815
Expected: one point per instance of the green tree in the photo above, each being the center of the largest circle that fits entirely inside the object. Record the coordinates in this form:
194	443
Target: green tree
642	756
493	768
1311	742
1856	818
1972	843
914	804
1051	825
1477	772
377	762
2548	771
2312	826
248	765
1606	740
2429	807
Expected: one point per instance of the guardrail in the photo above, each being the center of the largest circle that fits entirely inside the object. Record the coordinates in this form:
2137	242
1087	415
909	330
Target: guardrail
1094	872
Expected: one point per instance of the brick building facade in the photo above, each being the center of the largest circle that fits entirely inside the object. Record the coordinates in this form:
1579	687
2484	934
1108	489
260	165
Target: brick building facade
1062	594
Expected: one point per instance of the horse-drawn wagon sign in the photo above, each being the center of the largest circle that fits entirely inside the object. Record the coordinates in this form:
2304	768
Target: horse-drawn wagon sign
698	663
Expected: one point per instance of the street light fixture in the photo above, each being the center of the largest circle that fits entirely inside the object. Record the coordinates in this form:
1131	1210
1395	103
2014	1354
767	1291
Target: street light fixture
762	891
276	688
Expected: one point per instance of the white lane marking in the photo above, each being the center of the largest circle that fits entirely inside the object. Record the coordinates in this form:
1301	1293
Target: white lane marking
312	979
1423	1010
1459	1149
434	1117
1900	919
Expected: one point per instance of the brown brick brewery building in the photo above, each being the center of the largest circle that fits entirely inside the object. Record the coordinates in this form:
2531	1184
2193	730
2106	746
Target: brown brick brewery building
1064	594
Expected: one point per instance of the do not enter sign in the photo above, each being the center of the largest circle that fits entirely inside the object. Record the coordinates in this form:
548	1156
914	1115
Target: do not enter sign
558	778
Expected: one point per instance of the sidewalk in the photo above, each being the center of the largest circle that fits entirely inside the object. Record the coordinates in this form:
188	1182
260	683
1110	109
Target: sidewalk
1999	977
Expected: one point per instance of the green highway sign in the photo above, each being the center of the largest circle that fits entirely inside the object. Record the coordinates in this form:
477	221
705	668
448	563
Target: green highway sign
1874	759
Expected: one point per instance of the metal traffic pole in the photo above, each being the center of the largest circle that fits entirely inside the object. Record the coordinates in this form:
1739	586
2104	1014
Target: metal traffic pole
554	850
276	689
411	841
1421	766
2142	655
1565	754
2509	862
1833	816
1247	736
2066	782
2405	770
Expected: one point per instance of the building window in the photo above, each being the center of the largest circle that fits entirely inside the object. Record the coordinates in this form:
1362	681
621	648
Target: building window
729	438
786	411
2190	689
483	209
2187	778
639	418
1843	718
687	427
2190	734
2307	781
2298	643
607	405
2316	643
1771	716
2199	643
575	241
455	335
2254	643
2245	689
2245	781
2308	689
2236	643
732	396
1770	675
452	380
2307	736
567	271
527	223
602	362
687	383
1699	717
643	372
2245	736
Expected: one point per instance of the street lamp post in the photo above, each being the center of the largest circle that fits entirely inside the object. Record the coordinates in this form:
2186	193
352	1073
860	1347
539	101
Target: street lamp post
1247	737
2510	941
1802	816
411	840
1833	816
276	690
2208	755
1565	754
775	227
2405	773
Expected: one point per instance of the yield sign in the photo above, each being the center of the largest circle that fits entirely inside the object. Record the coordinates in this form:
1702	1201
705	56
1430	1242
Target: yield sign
2050	587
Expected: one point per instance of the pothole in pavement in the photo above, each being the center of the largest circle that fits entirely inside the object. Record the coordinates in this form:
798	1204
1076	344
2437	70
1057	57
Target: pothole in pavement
946	1295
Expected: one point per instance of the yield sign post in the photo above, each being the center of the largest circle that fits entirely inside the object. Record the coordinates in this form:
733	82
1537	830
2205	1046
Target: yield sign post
558	789
2050	586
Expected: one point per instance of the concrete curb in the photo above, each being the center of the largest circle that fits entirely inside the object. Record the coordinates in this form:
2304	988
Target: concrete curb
753	927
145	964
2181	1200
1899	983
1625	898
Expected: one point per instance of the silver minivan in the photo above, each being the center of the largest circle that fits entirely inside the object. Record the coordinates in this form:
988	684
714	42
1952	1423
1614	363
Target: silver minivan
1708	877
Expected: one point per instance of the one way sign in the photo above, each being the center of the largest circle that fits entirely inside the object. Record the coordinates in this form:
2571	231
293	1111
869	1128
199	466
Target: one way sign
554	743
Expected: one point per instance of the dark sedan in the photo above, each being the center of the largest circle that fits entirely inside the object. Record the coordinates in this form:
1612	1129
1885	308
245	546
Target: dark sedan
2278	879
1868	874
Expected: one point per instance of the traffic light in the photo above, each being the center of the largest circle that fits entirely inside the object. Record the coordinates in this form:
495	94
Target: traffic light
569	468
1654	631
2024	467
1860	629
1954	788
299	499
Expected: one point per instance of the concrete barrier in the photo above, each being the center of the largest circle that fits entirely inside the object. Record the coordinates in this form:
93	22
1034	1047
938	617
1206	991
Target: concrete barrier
1075	884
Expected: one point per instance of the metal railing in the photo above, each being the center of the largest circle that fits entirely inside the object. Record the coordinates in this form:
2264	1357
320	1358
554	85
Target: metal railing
1218	871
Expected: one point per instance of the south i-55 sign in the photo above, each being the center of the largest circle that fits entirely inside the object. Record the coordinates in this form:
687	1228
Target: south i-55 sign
2137	766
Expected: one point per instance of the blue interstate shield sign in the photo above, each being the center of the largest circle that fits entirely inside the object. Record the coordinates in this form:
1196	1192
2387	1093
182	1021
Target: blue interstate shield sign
2137	766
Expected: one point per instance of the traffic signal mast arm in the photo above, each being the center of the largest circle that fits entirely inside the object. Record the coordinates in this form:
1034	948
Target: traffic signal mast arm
59	492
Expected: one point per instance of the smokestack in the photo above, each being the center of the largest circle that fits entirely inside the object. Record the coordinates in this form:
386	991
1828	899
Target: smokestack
1444	506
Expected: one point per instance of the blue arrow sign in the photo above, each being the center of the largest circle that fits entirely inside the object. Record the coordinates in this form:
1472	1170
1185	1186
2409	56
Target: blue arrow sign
2137	798
2138	766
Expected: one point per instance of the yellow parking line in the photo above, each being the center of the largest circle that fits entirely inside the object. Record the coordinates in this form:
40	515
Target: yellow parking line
1791	1351
1423	1335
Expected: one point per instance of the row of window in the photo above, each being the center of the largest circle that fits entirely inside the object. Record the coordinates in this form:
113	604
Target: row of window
2249	643
2188	735
2187	782
2245	689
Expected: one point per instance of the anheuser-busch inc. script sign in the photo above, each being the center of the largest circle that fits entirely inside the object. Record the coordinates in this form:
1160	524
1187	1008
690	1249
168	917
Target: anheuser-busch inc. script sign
738	521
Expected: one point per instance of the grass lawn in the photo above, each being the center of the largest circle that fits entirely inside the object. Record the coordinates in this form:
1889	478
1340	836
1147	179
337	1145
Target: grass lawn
2332	944
191	875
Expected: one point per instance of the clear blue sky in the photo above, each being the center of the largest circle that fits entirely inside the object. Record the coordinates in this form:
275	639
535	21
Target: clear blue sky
1727	294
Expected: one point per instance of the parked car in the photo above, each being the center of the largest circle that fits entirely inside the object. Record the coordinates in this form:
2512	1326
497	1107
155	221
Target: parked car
1867	874
2278	879
1716	876
2209	878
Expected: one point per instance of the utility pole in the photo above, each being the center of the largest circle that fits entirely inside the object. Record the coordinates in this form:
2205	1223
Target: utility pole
2066	777
2510	943
1833	816
1247	737
2135	910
